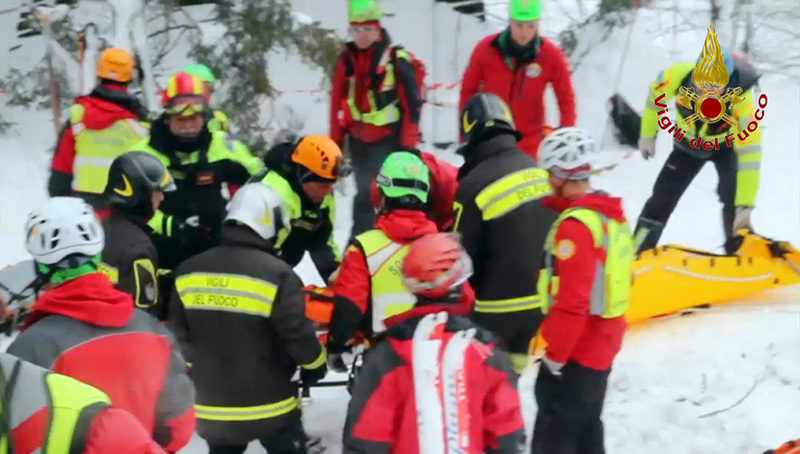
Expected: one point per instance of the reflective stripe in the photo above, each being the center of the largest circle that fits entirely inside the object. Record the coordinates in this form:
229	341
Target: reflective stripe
78	128
748	150
511	191
83	160
754	165
377	259
320	360
389	304
212	413
508	304
226	292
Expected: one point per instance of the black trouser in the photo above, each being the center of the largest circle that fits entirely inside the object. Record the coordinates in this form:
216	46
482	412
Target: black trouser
366	159
290	439
676	175
568	421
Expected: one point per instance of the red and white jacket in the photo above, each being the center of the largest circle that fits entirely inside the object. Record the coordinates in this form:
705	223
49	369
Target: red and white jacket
473	401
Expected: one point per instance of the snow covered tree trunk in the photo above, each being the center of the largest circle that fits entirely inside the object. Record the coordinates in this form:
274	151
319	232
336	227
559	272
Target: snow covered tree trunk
129	33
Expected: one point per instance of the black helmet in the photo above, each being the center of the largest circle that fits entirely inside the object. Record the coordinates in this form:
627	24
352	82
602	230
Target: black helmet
133	177
485	112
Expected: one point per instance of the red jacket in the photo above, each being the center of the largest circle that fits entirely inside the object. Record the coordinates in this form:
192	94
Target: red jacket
570	331
383	412
87	329
491	70
442	193
368	75
99	114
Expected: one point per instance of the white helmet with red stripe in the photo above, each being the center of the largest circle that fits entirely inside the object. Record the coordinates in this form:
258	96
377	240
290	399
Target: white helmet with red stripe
567	153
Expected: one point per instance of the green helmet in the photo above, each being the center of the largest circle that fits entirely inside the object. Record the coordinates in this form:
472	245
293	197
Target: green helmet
404	174
524	10
364	11
200	70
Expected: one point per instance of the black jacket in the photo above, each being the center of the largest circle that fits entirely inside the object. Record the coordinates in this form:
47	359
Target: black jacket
243	349
506	249
130	259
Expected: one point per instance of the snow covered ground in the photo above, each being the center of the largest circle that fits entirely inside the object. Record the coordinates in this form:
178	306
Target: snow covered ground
672	372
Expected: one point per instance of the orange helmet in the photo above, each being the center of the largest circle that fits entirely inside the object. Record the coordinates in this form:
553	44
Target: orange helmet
436	265
320	155
185	95
115	64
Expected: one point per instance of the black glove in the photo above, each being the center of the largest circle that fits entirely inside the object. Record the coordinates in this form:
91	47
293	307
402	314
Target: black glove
336	362
311	376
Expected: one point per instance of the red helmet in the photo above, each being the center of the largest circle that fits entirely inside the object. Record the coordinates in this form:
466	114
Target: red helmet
435	265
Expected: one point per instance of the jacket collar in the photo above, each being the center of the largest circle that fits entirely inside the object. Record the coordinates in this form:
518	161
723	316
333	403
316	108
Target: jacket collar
480	151
513	54
121	98
238	235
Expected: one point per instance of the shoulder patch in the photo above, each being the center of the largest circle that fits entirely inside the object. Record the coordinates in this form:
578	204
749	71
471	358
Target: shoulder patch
565	249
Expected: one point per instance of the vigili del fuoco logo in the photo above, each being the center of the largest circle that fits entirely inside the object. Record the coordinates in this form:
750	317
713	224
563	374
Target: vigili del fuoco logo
710	105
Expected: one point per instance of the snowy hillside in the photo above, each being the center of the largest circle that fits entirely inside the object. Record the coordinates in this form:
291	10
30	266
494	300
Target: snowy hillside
673	373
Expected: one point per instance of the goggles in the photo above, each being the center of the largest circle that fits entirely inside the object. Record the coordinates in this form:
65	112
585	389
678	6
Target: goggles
407	183
186	110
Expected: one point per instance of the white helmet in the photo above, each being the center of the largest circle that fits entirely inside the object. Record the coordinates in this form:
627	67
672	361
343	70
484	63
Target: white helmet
63	226
567	153
257	206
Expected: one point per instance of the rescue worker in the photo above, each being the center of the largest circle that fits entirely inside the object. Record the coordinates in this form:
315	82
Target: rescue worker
241	288
101	125
435	382
375	102
83	327
503	224
303	174
367	286
54	413
201	162
136	185
586	284
737	163
219	119
516	65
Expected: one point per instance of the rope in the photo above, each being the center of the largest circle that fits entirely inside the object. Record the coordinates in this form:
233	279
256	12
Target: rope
618	81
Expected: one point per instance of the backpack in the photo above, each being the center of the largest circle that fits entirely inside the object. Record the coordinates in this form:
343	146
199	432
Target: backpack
419	72
625	119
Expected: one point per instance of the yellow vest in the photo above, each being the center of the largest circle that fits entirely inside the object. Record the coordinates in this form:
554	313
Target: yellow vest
611	288
384	260
64	396
380	113
96	148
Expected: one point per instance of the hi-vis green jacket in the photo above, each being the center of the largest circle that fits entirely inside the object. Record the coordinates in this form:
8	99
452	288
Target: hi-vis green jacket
748	150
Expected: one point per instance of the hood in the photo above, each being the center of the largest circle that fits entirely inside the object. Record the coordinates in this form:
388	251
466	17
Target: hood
405	226
106	105
597	200
167	143
90	298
